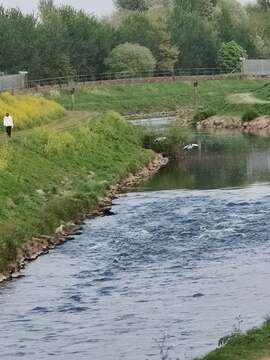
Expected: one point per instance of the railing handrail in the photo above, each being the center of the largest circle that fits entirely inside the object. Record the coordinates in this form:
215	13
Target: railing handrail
126	75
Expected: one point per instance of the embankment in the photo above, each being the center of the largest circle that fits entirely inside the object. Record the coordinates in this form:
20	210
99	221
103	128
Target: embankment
49	178
253	345
30	111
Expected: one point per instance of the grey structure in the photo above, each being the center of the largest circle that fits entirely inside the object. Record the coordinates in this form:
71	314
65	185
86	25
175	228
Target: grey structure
256	67
13	82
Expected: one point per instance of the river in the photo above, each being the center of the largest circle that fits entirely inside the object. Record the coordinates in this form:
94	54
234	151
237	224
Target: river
186	254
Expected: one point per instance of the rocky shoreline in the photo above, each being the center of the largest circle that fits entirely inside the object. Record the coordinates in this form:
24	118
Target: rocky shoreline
258	126
41	245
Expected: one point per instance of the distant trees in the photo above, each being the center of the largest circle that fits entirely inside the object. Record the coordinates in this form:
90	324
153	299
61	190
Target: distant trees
62	41
264	4
194	36
71	41
18	40
131	58
140	5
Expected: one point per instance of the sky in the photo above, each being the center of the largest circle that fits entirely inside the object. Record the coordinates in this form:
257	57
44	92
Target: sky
99	7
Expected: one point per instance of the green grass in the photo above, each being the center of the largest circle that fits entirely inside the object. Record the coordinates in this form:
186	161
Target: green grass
253	345
48	176
167	96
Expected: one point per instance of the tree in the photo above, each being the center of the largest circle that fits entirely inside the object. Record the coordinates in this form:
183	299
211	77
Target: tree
18	41
230	56
168	56
195	37
137	28
131	58
139	5
231	22
202	7
264	4
72	41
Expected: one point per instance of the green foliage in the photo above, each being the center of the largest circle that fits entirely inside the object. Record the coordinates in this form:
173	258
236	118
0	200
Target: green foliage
168	56
230	56
53	176
131	58
250	115
194	36
202	114
171	144
255	344
18	39
264	4
62	41
140	28
231	22
140	5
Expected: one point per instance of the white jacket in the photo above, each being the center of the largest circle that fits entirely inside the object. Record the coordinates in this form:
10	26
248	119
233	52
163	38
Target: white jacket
8	121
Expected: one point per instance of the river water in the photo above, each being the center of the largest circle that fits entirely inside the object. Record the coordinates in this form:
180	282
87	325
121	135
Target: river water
187	254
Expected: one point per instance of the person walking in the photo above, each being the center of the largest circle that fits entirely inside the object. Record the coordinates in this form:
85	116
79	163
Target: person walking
8	124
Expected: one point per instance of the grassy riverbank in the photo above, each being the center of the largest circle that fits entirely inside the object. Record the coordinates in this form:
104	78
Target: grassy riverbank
253	345
48	177
218	95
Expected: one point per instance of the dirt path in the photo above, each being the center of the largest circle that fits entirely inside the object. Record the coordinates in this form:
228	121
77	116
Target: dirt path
245	98
71	120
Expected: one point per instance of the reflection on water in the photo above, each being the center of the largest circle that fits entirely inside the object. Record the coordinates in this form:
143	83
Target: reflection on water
184	261
210	170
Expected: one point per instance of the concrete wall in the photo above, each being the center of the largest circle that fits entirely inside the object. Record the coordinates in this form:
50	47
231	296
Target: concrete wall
12	82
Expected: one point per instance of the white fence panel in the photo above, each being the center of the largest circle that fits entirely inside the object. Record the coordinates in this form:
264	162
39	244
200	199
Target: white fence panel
256	67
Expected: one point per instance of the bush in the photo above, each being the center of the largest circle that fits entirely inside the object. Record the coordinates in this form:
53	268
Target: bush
131	58
201	115
250	115
29	111
229	56
171	143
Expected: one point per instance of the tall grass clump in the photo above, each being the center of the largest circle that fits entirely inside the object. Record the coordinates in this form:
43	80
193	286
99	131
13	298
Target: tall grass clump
254	344
249	115
49	177
29	111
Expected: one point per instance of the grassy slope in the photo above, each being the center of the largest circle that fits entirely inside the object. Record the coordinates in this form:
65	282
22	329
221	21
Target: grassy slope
30	111
48	176
251	346
132	98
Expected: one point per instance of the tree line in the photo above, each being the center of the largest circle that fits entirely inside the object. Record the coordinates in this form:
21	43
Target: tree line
140	34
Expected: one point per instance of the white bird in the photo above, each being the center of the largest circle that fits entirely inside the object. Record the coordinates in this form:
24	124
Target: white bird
160	139
190	146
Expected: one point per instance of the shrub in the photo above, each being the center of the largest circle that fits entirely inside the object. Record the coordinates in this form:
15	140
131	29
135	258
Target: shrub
229	56
201	115
29	111
250	115
171	143
131	58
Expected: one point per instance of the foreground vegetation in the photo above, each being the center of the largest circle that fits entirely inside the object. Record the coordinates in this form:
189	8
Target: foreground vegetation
47	176
30	111
169	96
253	345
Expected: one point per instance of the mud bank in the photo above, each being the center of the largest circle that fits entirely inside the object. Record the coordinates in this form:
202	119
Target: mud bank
41	245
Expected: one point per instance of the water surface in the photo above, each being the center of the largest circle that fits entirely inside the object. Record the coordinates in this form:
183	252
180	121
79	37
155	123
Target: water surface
185	254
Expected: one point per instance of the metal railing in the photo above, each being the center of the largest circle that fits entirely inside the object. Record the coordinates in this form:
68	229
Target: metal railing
126	76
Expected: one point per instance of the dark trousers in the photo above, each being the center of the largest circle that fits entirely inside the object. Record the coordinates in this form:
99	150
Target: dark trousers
8	130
